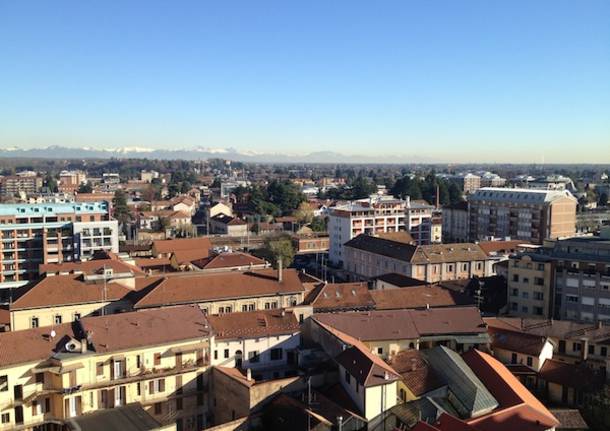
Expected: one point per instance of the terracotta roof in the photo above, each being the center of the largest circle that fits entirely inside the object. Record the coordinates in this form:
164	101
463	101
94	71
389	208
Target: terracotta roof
254	324
571	375
60	290
336	296
400	236
89	267
400	280
148	262
415	372
5	316
418	297
528	344
519	409
171	245
145	328
228	260
501	247
405	324
32	345
184	257
189	288
228	220
236	374
569	419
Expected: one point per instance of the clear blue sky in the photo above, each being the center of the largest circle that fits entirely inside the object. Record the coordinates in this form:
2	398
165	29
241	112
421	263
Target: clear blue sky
448	80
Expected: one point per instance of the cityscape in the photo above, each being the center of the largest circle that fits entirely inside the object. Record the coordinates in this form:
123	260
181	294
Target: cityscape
318	217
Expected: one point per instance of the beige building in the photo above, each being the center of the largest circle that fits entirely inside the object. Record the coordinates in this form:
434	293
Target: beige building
366	257
156	358
523	214
529	282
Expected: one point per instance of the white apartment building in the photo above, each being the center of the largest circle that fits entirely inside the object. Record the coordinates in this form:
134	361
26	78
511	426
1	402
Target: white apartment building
418	221
378	214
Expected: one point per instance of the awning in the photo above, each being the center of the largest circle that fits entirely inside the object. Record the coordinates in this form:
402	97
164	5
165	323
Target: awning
189	348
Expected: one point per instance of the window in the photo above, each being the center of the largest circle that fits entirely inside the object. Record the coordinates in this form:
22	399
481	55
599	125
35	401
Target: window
515	292
244	308
6	418
538	311
215	354
514	306
139	388
541	267
3	383
526	280
157	359
515	277
99	369
591	349
158	408
380	350
525	295
513	358
226	353
524	309
253	356
576	347
539	281
138	361
530	361
34	322
40	378
348	378
276	354
539	296
571	298
603	351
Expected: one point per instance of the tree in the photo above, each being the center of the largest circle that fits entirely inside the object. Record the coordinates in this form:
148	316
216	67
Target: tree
362	188
85	188
455	194
304	214
278	247
51	183
121	210
603	199
318	224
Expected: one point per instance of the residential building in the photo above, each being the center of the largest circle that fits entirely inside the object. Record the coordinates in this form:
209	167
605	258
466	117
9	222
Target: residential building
70	181
157	358
456	223
148	176
489	179
371	216
367	257
25	182
311	243
530	286
523	214
418	221
469	183
222	224
34	234
256	340
165	248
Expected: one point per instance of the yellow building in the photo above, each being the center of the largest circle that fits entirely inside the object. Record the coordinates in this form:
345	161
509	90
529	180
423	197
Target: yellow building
157	358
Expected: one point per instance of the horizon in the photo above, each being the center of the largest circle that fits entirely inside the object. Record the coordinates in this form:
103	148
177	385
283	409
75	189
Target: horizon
446	83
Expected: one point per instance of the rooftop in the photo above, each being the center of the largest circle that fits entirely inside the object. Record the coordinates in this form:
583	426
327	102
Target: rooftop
253	324
51	209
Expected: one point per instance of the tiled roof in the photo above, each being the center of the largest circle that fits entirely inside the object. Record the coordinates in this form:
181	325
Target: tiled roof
570	419
228	220
32	345
189	288
502	247
124	331
400	280
519	409
415	372
60	290
566	374
453	320
149	262
89	267
513	341
228	260
235	374
253	324
334	296
184	257
171	245
384	247
417	297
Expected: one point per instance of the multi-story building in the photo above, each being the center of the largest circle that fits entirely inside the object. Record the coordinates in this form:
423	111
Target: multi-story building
489	179
69	181
366	257
567	279
469	183
157	358
456	223
370	216
26	182
34	234
524	214
418	221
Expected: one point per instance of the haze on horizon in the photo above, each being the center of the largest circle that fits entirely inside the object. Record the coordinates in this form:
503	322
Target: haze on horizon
449	81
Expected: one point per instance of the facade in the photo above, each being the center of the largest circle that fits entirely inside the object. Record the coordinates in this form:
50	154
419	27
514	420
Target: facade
456	223
523	214
37	234
157	358
222	224
418	221
28	183
368	257
369	216
530	286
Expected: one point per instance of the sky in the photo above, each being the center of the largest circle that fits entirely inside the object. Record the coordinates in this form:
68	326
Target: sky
447	81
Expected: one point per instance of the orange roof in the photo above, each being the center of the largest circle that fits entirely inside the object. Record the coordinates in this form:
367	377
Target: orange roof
148	262
89	267
17	347
59	290
332	296
236	374
494	247
254	324
417	297
519	409
189	288
228	260
189	256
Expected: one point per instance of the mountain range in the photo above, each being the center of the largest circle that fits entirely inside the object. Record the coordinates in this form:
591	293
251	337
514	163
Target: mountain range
201	153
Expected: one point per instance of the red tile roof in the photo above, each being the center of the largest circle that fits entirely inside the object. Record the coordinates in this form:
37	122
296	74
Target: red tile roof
190	288
89	267
415	372
254	324
529	344
338	296
172	245
571	375
32	345
417	297
228	260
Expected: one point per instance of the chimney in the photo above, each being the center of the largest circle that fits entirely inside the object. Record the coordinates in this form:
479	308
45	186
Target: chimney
83	346
413	364
249	375
438	200
280	270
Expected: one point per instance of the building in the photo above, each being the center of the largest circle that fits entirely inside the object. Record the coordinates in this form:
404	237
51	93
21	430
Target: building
469	183
310	243
264	340
367	257
166	247
34	234
148	176
523	214
157	358
418	221
70	181
566	279
456	223
222	224
370	216
28	183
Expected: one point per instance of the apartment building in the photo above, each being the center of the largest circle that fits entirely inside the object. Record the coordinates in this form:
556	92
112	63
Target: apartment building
419	221
34	234
69	181
566	279
25	182
469	183
367	257
524	214
157	358
456	223
371	216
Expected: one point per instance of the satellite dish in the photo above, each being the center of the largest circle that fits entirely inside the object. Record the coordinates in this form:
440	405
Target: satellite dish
53	333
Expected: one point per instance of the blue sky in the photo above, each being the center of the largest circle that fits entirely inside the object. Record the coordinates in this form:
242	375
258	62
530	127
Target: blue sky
443	80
